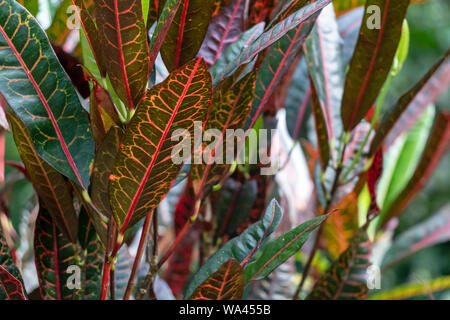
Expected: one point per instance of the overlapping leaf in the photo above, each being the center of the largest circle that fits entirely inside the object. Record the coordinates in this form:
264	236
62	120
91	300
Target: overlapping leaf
50	185
346	277
123	39
227	283
435	148
407	100
231	104
37	88
53	255
11	286
144	169
372	60
274	34
279	250
223	30
187	32
241	248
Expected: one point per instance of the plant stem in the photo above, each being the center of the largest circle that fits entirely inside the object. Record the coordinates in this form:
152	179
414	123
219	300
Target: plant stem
140	251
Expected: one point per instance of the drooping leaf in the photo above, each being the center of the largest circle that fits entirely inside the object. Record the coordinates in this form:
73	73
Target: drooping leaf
432	231
390	120
186	33
11	286
341	226
54	254
420	288
346	277
144	169
274	34
373	58
233	51
230	106
50	185
275	64
227	283
324	56
279	250
223	30
123	39
435	148
241	248
36	87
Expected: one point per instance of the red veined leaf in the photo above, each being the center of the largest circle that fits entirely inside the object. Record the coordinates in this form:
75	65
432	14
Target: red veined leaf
230	106
432	231
407	101
223	30
91	271
227	283
54	254
11	285
103	113
274	34
241	248
49	184
284	10
35	85
372	59
123	39
144	168
153	10
435	148
324	57
278	59
187	32
7	263
373	176
91	32
162	28
279	250
342	225
321	128
346	277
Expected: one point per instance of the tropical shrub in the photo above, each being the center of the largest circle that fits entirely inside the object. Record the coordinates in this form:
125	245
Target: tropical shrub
120	199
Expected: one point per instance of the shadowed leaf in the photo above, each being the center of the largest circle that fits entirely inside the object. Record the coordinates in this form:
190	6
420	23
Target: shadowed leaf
36	87
227	283
321	128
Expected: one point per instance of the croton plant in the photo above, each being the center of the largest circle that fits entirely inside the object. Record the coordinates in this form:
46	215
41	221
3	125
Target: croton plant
101	101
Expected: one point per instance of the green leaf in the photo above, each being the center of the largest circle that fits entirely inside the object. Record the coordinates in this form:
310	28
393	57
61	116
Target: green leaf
58	30
35	85
227	283
420	288
435	148
186	33
372	59
279	250
53	255
405	104
144	169
234	50
30	5
346	277
123	39
11	286
274	34
241	248
432	231
50	185
230	106
321	128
